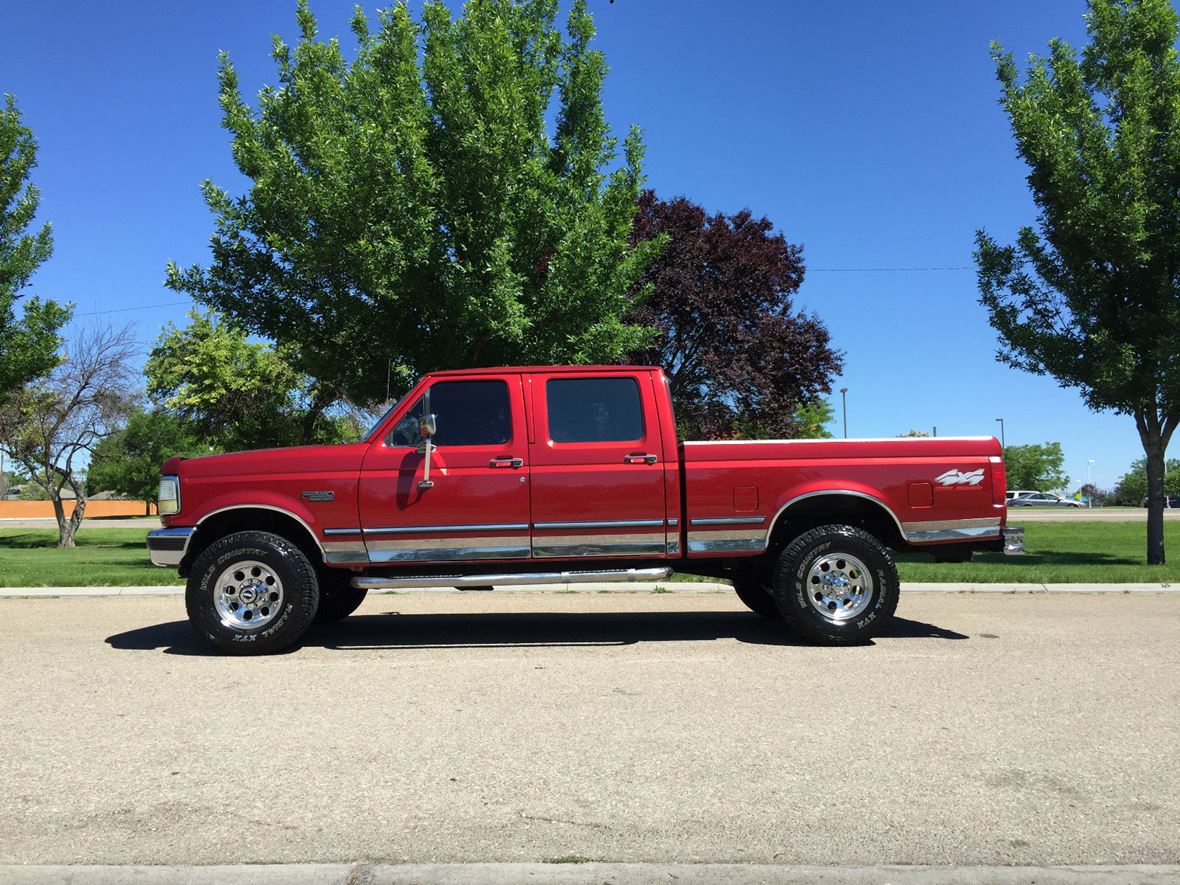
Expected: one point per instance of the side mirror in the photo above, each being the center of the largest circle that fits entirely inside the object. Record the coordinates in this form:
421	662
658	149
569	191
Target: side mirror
428	426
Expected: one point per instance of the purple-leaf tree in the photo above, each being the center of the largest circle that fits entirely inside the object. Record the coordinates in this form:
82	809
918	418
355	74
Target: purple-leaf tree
742	361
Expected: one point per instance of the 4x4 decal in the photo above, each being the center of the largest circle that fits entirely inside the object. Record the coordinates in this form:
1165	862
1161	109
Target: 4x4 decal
956	477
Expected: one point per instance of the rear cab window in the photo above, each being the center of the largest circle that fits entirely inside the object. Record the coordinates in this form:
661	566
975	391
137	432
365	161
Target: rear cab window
590	410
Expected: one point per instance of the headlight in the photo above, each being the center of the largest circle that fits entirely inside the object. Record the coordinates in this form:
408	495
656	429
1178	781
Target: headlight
169	497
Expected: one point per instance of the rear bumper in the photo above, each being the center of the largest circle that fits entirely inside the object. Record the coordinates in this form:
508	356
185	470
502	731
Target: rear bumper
1013	540
168	546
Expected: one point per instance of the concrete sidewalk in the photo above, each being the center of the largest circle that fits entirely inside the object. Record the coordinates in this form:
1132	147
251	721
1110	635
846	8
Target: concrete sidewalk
580	874
682	587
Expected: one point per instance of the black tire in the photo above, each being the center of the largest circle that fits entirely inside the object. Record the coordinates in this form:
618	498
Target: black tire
266	556
756	594
338	598
802	595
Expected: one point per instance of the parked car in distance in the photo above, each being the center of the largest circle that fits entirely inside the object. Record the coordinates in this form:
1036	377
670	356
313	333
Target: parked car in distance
1043	499
1171	501
1019	493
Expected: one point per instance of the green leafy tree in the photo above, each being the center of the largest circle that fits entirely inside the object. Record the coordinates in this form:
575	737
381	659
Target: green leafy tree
411	209
128	461
1039	468
1091	296
914	433
28	344
236	393
813	419
1132	486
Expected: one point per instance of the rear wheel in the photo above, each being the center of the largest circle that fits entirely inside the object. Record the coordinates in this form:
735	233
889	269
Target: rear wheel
836	584
251	593
338	598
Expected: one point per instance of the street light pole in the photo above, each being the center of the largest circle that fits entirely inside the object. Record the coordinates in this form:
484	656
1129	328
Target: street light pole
1090	484
844	406
1003	445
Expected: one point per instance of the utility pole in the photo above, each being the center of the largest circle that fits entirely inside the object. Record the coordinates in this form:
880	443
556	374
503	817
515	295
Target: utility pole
844	406
1003	445
1089	484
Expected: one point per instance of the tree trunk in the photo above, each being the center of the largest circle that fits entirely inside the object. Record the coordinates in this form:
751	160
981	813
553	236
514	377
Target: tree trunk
65	536
75	519
1155	503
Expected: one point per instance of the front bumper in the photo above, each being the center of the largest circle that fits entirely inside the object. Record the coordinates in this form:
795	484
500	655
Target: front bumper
168	546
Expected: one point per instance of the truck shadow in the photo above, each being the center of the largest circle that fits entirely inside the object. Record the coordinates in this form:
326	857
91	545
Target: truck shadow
394	630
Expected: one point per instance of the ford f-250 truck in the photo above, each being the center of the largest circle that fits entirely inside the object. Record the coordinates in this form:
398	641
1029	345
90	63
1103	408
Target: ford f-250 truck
533	475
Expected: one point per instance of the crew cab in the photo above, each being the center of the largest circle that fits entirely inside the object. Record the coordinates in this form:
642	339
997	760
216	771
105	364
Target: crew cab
565	474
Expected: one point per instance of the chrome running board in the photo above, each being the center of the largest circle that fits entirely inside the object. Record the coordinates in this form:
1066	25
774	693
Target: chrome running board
460	582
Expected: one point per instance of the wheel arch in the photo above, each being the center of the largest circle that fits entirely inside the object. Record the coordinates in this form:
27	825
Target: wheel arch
838	506
253	517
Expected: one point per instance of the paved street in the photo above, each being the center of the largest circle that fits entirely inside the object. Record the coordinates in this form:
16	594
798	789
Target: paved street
1023	729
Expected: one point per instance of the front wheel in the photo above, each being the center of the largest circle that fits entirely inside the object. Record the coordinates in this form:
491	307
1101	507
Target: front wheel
836	584
251	593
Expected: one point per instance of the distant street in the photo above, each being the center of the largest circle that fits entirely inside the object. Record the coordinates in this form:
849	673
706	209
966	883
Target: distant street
984	729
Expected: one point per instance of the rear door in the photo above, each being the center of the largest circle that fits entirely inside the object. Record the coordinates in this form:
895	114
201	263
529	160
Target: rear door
596	468
478	505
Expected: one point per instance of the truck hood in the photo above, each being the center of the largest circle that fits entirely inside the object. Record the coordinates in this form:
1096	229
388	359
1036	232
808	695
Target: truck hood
294	459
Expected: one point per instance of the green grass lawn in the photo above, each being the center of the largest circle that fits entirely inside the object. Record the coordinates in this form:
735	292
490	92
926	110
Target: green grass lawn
103	557
1058	553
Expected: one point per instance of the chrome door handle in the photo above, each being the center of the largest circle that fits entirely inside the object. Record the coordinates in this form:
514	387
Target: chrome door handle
639	458
507	462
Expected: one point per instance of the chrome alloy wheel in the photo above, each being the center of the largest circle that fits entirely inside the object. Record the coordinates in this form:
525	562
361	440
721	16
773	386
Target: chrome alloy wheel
839	586
248	595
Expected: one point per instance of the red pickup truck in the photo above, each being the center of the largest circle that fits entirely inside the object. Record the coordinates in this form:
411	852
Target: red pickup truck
540	475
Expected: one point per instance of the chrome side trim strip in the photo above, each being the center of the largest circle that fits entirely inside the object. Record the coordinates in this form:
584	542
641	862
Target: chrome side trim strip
728	520
673	522
637	548
937	525
439	543
608	524
673	547
736	545
448	554
425	529
953	529
352	554
356	531
511	579
955	534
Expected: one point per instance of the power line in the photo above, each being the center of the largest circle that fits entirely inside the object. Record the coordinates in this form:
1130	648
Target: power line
881	269
95	313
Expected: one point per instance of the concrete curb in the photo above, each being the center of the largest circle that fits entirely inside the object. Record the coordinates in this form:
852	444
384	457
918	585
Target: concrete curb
578	874
671	587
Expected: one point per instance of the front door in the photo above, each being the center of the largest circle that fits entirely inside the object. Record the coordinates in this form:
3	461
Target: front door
596	476
477	506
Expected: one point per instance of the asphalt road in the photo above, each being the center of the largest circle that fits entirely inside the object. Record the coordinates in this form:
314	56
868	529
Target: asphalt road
1019	730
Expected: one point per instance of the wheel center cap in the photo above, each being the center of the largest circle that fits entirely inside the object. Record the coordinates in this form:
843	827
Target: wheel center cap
836	582
248	594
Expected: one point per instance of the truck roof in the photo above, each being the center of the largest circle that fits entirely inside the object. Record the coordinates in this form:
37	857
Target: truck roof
546	369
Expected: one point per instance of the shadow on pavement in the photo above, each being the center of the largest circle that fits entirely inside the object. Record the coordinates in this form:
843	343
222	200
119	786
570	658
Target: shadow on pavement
393	630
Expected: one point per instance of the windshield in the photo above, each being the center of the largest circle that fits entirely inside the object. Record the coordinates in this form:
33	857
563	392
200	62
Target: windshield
376	424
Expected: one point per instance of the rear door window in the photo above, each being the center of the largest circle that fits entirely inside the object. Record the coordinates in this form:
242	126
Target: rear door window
594	410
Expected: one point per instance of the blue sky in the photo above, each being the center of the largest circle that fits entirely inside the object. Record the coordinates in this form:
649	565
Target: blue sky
867	132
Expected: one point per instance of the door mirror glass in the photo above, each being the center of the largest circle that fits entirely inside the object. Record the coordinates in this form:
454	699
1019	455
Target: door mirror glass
428	426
